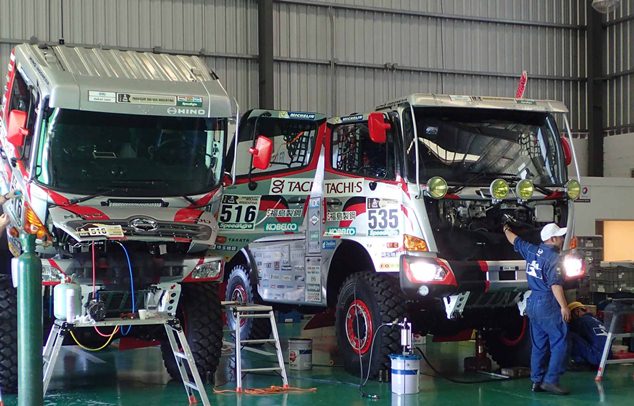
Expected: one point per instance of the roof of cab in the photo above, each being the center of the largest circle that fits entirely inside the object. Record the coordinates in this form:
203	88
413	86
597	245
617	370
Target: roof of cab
131	82
482	102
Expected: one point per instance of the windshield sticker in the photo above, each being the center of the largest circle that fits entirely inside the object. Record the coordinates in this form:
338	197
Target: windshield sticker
291	186
341	231
98	230
298	115
189	101
238	212
454	97
347	187
151	99
102	97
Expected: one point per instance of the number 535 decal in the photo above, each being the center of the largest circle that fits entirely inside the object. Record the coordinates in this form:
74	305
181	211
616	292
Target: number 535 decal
382	218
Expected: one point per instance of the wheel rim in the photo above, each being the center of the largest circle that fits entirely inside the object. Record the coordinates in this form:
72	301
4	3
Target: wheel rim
239	295
359	330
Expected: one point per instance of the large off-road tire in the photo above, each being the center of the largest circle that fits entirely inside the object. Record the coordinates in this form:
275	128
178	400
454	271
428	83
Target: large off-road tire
242	287
200	314
8	335
511	346
366	301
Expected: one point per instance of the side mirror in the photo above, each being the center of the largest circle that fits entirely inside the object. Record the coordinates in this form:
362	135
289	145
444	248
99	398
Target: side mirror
16	133
378	128
565	145
262	152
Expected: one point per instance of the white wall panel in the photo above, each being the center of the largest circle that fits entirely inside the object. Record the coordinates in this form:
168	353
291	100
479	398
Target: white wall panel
619	154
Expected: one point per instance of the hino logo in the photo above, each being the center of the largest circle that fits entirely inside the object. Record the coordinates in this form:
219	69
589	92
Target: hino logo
143	225
184	110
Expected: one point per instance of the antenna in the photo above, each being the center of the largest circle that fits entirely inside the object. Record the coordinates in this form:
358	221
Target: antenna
61	6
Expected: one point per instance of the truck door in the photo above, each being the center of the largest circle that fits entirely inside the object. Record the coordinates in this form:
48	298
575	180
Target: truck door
363	197
274	210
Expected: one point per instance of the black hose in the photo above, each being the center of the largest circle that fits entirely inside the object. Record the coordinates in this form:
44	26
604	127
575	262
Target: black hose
438	373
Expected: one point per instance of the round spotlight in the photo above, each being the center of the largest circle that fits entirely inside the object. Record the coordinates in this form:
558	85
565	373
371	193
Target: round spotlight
573	189
499	189
437	187
525	189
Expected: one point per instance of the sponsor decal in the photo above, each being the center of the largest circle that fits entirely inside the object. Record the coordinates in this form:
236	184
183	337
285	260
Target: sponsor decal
344	187
223	247
388	266
383	233
341	215
391	254
301	115
281	227
290	186
102	97
329	244
374	203
192	111
238	212
147	99
96	230
283	212
341	231
314	202
526	102
354	117
189	101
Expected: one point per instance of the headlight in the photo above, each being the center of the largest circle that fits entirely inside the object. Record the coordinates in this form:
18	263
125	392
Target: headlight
573	267
412	243
426	272
499	189
208	271
573	189
525	189
437	187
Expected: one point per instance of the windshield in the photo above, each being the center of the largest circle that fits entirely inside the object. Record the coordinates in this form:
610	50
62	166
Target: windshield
87	152
475	145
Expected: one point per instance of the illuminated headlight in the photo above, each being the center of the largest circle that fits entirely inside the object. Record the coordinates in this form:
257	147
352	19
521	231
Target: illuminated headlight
573	189
207	270
426	271
573	267
437	187
524	189
499	189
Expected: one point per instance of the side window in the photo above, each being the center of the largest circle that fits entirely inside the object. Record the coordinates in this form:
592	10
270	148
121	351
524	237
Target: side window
20	95
293	144
354	152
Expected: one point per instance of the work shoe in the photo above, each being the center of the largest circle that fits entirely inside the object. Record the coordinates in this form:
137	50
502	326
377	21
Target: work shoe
554	389
537	387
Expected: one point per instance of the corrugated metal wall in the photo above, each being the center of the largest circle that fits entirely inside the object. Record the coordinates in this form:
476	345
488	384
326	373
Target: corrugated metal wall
349	55
619	68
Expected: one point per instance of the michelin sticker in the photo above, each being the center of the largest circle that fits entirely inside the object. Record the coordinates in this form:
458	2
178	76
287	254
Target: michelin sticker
238	212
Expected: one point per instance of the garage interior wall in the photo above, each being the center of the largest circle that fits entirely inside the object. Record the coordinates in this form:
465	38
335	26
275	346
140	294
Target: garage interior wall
350	55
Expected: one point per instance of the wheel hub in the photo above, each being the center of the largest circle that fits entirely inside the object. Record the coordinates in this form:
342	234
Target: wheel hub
239	295
359	330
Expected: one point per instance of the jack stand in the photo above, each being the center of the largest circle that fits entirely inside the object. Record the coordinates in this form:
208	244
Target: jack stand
480	362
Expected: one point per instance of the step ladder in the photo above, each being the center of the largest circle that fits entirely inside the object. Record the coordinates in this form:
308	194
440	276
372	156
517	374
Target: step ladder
254	311
175	335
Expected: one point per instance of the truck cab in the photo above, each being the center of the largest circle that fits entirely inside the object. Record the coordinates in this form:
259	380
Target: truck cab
399	212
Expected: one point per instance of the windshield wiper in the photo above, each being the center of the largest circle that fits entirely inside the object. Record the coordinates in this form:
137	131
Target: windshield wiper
100	192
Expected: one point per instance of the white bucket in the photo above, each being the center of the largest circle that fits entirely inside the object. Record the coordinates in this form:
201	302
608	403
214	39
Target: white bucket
300	354
405	373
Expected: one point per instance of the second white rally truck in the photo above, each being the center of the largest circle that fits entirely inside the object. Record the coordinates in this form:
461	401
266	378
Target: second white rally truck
397	213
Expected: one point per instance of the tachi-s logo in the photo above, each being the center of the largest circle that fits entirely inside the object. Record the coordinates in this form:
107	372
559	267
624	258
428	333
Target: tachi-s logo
186	110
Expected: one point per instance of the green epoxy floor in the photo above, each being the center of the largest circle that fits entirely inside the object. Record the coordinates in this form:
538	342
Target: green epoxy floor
137	377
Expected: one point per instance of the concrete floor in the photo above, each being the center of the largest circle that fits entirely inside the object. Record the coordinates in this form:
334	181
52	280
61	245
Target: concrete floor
137	377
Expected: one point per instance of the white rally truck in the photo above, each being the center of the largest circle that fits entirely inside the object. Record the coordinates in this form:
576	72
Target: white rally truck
396	213
118	158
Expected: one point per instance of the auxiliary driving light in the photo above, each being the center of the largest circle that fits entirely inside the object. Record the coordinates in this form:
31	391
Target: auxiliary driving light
525	189
499	189
206	271
437	187
573	267
573	188
426	271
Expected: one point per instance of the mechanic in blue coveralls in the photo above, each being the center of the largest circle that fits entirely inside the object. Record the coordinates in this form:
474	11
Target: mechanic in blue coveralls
546	308
587	336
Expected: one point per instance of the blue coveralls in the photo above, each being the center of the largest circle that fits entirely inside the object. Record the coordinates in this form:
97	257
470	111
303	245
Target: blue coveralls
587	339
548	328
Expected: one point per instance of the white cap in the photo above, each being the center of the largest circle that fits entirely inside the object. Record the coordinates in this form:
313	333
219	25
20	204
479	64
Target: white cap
552	230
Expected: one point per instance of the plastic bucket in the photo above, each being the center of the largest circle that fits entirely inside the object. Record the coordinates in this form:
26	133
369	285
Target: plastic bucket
300	354
405	373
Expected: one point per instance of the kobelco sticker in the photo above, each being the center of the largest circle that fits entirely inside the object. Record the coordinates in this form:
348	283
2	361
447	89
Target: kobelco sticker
290	186
281	227
345	187
341	231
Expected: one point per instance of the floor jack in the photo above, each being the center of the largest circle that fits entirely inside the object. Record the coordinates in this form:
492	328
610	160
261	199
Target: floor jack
480	363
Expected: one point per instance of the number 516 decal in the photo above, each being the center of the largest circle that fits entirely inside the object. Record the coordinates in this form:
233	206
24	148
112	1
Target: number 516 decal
238	212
